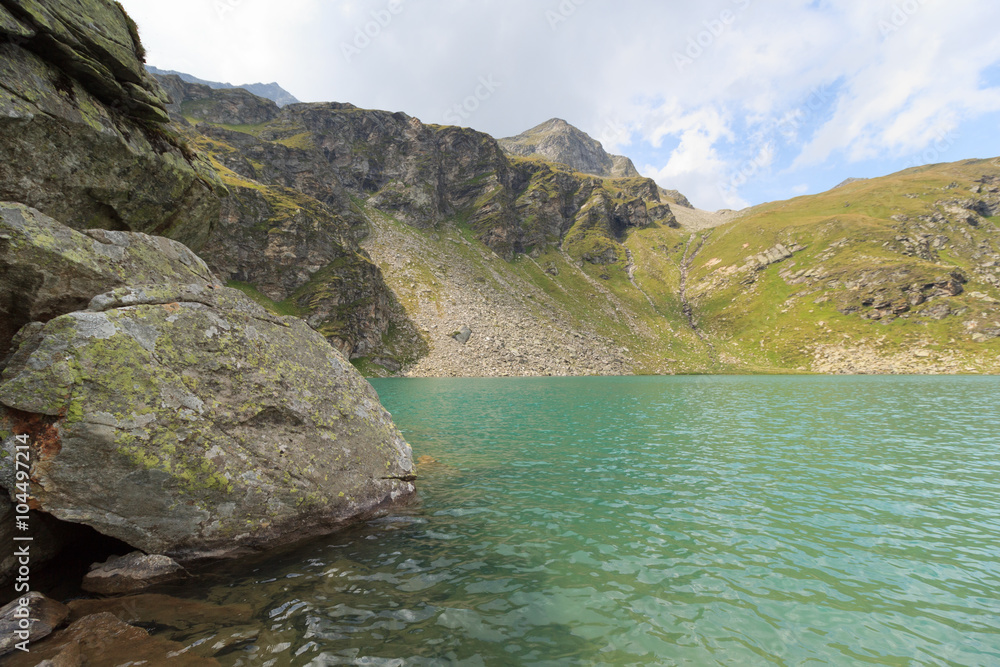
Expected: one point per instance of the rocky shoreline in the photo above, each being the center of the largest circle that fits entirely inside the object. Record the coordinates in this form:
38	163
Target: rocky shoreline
146	408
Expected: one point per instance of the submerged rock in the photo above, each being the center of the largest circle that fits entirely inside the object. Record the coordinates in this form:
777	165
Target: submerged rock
164	610
183	419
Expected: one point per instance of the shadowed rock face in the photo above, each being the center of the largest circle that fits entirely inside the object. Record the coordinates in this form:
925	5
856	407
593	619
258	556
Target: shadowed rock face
180	417
83	128
300	253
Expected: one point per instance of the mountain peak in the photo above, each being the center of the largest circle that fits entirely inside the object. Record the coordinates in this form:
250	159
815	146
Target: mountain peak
558	141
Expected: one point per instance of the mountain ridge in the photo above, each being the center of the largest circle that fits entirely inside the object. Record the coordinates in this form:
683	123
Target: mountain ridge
271	91
558	141
555	271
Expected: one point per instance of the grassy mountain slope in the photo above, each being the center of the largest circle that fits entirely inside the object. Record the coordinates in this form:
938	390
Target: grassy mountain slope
896	274
893	274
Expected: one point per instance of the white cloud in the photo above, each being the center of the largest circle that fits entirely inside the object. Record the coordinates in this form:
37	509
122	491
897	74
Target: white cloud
777	74
922	79
694	166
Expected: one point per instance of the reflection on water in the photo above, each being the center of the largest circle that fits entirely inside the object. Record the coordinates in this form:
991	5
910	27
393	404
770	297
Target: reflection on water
633	521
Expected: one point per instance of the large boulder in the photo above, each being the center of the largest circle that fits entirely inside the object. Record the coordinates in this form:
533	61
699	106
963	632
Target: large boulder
183	419
84	135
47	269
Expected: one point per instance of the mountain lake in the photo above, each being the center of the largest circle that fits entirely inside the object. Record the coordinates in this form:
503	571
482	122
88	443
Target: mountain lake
699	520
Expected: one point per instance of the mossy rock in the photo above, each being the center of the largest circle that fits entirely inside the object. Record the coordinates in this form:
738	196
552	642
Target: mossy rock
190	422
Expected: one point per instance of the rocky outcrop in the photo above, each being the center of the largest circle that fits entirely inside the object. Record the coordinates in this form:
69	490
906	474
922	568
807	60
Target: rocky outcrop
772	255
558	141
93	42
302	254
229	106
422	175
83	128
181	417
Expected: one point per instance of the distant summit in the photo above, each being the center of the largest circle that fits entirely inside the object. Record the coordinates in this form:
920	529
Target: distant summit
271	91
847	181
558	141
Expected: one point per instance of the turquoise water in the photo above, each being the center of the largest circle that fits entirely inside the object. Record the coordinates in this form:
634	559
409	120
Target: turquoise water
662	521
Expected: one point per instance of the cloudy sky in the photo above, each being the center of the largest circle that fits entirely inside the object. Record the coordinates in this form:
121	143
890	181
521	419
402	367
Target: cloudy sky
733	102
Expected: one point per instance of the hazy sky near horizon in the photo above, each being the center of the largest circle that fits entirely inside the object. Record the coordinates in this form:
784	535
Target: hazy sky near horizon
732	102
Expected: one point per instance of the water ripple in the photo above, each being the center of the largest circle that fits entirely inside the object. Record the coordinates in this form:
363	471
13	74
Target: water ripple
661	521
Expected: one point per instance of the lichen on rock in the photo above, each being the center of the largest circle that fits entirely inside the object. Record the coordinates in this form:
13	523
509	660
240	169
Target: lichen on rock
178	415
84	132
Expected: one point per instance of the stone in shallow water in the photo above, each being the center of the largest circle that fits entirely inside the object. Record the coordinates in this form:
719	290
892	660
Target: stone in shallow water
43	614
102	639
163	610
130	573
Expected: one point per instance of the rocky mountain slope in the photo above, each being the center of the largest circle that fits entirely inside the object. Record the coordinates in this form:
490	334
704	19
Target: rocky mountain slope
558	141
388	235
555	271
315	172
271	91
